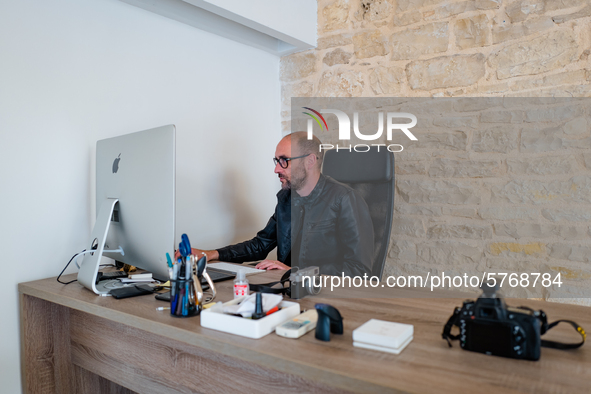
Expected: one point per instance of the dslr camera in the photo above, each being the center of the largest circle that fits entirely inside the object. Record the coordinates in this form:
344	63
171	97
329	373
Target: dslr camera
302	282
488	326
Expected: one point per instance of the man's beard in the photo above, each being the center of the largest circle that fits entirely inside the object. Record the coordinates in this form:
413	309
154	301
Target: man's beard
297	181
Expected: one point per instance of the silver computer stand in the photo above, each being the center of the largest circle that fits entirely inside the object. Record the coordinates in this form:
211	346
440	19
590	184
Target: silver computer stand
90	266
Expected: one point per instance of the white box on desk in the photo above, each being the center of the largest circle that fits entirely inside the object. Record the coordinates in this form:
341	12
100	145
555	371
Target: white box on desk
216	319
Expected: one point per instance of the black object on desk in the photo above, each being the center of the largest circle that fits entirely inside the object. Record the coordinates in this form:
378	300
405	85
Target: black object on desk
329	320
110	275
218	275
132	291
258	311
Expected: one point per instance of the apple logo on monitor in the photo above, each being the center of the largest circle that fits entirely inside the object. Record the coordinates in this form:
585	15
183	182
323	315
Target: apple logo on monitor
116	164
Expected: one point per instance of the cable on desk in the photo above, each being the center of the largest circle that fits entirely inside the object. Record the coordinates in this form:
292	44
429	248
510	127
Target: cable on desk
61	273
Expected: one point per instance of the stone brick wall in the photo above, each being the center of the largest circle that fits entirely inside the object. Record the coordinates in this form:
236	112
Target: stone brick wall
488	191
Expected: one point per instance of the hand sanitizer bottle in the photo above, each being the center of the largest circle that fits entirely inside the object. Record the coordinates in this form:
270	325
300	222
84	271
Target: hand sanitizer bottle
241	287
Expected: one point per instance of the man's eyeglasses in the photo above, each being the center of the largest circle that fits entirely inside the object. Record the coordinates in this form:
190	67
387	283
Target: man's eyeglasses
284	161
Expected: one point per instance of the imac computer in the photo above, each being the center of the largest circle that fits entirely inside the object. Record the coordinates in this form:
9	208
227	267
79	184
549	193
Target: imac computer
135	204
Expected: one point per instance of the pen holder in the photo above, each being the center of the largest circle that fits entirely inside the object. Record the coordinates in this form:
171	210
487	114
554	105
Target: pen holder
183	301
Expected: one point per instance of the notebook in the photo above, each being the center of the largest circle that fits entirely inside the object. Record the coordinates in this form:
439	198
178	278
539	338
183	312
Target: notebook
383	335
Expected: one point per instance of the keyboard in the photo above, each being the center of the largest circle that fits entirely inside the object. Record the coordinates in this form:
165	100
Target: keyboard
233	268
218	276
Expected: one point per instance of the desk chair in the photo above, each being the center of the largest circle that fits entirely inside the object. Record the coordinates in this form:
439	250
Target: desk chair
372	175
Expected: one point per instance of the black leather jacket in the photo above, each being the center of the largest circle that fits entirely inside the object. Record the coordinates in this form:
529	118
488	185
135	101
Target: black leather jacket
336	231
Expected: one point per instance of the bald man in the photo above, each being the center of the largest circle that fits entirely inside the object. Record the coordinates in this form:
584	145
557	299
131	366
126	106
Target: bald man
329	222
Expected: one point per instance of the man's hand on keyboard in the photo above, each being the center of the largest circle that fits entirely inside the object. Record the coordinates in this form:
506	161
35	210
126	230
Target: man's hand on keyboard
271	265
212	255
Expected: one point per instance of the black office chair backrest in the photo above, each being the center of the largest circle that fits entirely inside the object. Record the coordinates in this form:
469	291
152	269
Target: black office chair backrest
372	175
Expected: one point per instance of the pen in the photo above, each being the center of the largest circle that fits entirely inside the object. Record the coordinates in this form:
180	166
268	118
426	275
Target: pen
187	294
174	287
273	310
169	261
180	297
162	308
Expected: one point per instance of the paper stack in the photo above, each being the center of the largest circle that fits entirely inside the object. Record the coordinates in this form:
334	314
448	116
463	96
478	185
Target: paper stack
382	335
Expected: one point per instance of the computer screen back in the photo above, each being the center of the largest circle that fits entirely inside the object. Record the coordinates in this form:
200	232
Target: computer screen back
139	170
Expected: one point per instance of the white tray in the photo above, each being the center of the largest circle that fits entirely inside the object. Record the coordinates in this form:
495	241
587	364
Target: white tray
216	319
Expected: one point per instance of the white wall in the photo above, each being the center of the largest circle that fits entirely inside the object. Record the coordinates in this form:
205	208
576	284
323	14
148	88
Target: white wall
295	19
73	72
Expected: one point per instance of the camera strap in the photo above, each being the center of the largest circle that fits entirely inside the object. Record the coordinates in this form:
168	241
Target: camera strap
541	315
268	287
560	345
452	321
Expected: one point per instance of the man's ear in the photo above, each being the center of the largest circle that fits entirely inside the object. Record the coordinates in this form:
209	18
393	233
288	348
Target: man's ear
311	161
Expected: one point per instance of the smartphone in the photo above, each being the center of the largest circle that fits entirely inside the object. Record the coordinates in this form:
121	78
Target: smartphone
163	296
132	291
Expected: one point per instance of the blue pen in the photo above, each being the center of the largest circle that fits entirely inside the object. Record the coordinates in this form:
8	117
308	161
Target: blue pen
174	291
184	300
186	288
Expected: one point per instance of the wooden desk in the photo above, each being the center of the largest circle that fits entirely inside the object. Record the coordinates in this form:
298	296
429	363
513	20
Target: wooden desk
75	342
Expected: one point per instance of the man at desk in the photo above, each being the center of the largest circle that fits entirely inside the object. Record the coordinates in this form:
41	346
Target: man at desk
330	222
